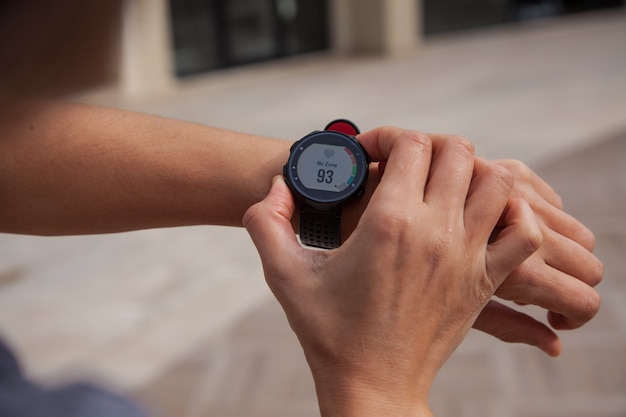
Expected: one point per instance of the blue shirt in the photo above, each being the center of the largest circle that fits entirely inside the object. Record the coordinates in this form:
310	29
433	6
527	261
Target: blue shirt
20	397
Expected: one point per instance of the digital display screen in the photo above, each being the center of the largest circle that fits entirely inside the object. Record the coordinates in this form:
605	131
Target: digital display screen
326	167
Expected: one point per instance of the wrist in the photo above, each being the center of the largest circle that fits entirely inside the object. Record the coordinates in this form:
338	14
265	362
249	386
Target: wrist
347	397
366	404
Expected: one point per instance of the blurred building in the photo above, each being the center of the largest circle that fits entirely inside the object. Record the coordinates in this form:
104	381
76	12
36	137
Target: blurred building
165	40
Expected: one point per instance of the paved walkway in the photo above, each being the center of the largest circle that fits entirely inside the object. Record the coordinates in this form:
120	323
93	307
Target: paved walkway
181	317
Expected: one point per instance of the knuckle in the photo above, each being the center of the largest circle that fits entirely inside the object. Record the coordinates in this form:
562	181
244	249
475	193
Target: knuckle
518	168
533	239
463	146
498	175
589	307
396	228
391	224
502	176
418	139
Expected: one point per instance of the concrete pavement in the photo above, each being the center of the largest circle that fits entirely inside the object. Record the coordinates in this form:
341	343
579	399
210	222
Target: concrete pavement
181	317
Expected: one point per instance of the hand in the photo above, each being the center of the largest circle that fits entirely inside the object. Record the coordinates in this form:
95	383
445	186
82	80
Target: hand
379	316
559	277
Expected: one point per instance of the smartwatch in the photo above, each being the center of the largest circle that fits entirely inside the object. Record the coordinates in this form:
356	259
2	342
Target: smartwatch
325	170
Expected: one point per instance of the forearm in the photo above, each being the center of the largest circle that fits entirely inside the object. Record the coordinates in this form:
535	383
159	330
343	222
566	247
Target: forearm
72	169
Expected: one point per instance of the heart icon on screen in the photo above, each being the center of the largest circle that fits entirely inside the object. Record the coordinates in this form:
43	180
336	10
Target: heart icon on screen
329	153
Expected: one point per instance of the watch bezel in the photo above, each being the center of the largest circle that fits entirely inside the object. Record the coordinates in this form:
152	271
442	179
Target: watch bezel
323	197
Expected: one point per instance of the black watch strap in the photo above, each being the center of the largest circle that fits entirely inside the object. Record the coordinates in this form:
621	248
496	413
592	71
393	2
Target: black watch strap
320	229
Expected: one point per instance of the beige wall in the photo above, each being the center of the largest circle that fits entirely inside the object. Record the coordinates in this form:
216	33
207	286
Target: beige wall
146	64
402	21
375	26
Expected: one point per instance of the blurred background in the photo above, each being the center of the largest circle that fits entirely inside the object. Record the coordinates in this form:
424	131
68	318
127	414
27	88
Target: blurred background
181	320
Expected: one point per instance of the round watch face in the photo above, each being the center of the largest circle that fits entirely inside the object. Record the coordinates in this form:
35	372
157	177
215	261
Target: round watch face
327	167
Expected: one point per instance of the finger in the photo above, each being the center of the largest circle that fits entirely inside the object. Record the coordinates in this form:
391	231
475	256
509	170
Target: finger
513	326
562	223
534	282
524	175
563	322
450	174
269	225
571	258
546	203
521	172
519	239
486	199
408	156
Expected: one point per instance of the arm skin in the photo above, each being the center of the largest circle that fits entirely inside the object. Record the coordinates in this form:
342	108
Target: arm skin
75	169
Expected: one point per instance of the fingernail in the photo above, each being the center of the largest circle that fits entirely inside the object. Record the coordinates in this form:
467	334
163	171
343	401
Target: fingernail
277	178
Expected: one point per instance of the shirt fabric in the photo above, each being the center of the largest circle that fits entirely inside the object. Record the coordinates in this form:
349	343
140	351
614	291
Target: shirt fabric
20	397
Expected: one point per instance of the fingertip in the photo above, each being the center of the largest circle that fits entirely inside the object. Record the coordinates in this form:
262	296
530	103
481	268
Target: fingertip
562	322
278	199
557	321
278	178
268	222
552	347
284	198
378	142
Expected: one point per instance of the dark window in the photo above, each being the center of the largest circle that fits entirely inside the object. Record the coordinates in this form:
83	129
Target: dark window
450	15
210	34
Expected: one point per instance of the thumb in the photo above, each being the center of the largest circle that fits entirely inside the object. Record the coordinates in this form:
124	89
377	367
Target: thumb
268	223
519	238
